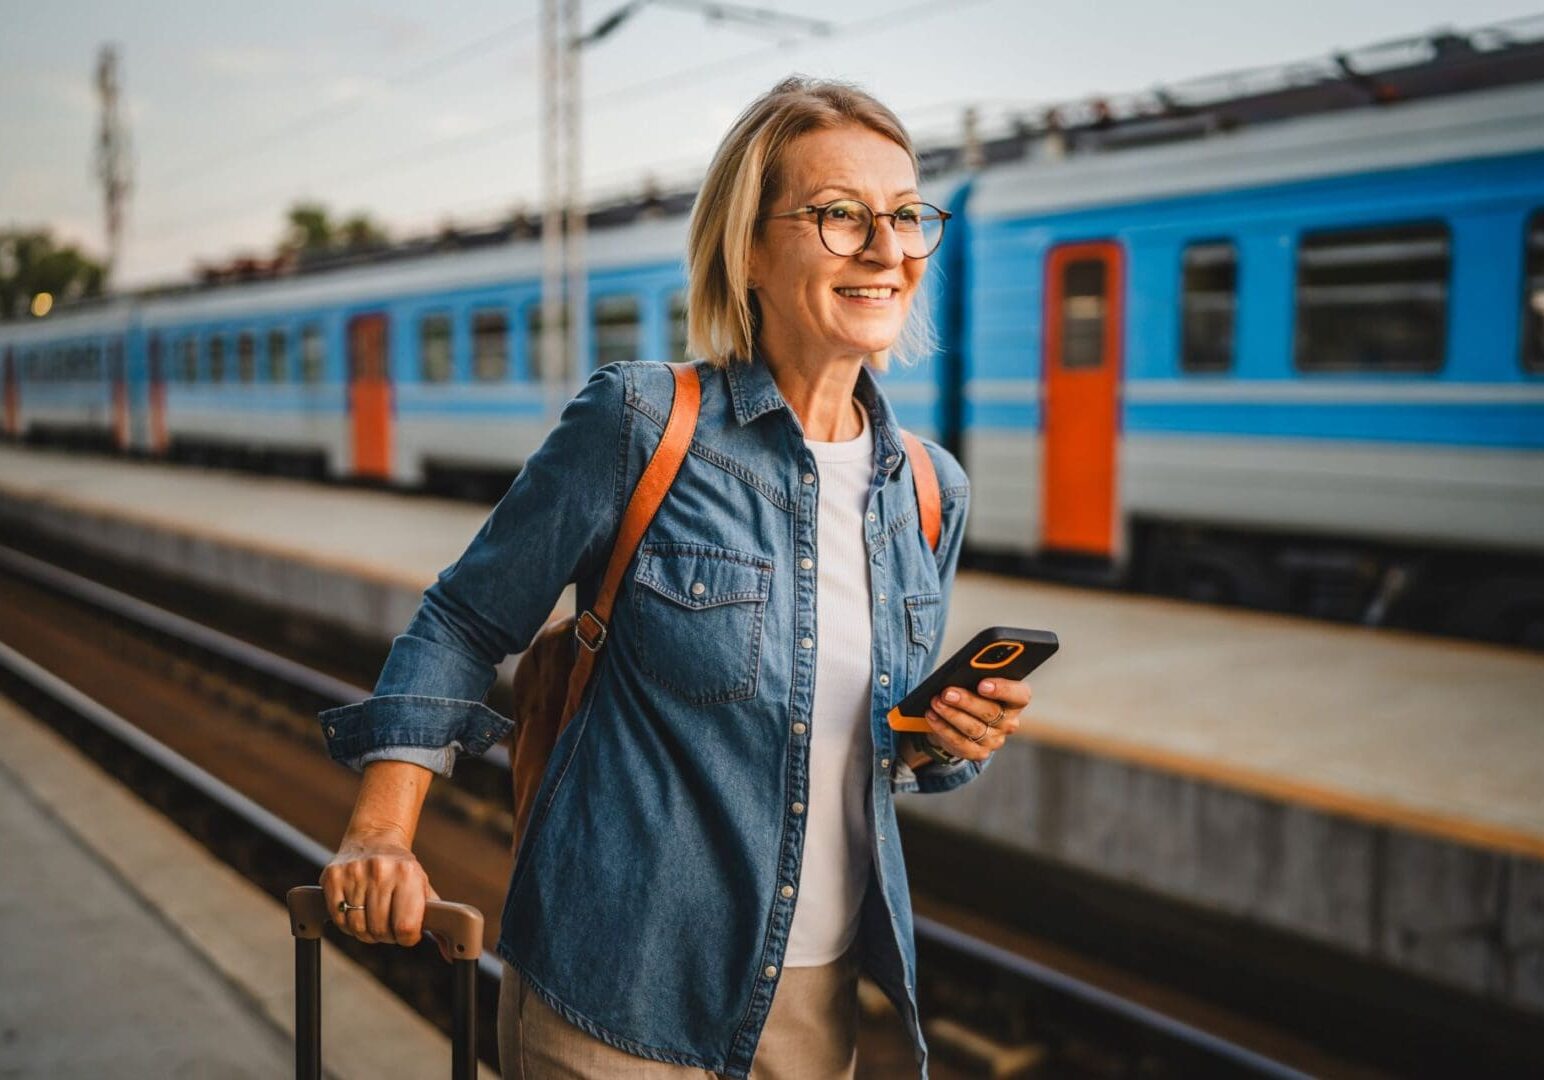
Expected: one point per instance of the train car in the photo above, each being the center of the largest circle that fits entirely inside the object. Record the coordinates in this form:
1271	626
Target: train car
394	371
1286	366
68	382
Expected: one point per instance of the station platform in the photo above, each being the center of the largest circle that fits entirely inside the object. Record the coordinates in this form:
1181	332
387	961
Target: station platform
130	951
1378	791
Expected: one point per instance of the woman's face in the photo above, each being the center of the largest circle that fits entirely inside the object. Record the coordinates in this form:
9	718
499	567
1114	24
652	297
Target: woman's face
800	284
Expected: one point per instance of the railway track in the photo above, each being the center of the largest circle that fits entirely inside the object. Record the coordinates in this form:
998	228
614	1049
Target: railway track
221	735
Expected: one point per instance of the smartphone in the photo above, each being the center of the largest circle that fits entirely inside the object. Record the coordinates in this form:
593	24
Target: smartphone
1008	652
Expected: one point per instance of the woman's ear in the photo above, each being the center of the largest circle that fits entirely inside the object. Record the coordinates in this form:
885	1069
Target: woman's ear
751	265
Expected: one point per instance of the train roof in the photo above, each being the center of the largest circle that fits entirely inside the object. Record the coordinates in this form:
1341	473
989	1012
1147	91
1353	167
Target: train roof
1490	123
109	316
639	244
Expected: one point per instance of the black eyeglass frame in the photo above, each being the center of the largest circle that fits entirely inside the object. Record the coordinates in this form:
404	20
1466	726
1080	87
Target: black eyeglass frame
874	216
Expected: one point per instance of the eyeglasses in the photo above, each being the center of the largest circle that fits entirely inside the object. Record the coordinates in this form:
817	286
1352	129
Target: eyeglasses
846	226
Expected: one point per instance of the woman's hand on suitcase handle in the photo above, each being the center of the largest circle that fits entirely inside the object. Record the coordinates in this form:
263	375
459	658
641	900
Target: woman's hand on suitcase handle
381	872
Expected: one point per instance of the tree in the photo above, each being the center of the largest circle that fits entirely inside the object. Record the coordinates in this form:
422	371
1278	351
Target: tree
32	262
310	231
359	232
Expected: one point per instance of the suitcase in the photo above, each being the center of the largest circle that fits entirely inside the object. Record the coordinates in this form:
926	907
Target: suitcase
461	925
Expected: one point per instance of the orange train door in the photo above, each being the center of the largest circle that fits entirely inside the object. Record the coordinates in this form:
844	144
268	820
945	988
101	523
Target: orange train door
120	394
11	422
157	397
1083	323
369	395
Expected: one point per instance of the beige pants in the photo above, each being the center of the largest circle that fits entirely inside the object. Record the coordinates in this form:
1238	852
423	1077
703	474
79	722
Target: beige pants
811	1034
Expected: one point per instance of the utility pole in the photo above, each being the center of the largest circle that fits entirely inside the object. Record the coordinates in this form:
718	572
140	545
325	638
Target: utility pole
563	223
578	275
112	156
553	73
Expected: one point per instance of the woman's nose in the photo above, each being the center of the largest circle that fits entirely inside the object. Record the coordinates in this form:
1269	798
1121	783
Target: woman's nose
885	248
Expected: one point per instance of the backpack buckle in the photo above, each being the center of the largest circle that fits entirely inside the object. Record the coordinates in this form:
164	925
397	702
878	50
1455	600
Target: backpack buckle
590	631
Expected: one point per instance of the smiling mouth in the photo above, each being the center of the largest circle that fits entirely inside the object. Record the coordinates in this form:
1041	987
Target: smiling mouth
867	293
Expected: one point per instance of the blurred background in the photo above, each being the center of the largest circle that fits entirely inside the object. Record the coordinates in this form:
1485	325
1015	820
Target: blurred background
1240	324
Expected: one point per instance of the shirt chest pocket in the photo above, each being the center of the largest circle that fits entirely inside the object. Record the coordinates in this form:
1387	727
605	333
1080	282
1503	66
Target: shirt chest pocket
700	611
922	616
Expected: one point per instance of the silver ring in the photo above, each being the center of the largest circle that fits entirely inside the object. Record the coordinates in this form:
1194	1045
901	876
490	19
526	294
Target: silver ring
1001	712
345	907
978	738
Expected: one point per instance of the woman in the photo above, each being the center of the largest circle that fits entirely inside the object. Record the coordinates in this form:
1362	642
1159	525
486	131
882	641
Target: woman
713	853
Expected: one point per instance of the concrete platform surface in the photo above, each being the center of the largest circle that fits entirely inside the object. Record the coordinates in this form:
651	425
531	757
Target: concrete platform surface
127	950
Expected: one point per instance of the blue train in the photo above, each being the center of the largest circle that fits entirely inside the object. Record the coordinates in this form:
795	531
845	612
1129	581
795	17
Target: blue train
1282	349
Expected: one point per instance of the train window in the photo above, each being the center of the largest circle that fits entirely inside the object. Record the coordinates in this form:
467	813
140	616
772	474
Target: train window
313	354
1533	297
1082	313
434	348
1373	299
617	326
246	356
216	359
1208	306
678	325
278	355
533	335
490	346
188	359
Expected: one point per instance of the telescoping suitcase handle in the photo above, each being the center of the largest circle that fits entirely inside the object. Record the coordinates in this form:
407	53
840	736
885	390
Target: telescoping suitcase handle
459	924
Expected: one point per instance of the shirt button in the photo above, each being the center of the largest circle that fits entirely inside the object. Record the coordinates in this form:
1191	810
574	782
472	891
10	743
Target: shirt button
808	643
873	516
809	478
890	459
331	730
798	808
698	588
799	728
884	680
770	971
884	763
881	598
806	562
787	890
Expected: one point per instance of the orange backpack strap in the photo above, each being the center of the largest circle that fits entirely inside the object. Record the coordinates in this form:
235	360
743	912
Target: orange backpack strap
653	485
923	475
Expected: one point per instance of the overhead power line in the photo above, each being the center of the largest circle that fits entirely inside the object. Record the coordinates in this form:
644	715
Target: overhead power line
252	147
437	150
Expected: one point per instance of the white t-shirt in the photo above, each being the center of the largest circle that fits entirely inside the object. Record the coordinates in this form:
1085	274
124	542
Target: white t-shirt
836	861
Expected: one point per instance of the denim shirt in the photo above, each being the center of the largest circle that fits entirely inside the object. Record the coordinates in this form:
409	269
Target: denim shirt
647	902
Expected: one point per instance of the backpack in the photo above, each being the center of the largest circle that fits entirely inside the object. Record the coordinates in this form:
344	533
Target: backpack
552	673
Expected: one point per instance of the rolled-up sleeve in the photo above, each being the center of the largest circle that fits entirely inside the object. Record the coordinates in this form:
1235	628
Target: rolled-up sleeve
554	525
954	494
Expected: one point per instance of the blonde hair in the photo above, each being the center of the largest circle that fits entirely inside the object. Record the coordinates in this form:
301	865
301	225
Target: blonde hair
723	316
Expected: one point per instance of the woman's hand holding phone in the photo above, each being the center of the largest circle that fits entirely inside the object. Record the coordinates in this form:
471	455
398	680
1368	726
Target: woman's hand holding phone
975	724
972	702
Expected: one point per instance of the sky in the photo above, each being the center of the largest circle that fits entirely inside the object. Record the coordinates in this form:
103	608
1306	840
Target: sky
422	114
